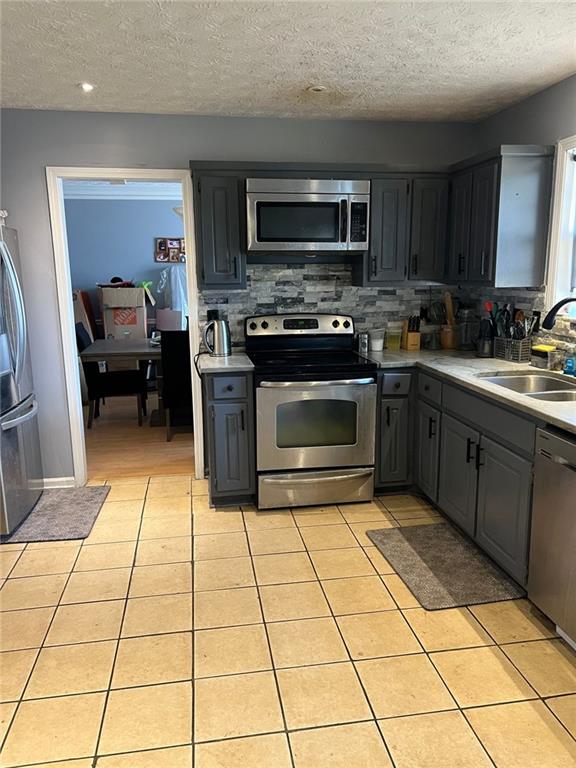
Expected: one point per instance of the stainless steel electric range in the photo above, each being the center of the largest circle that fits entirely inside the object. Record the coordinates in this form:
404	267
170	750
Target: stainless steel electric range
315	410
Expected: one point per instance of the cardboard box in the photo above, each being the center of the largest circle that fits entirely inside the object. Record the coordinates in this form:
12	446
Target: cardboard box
124	313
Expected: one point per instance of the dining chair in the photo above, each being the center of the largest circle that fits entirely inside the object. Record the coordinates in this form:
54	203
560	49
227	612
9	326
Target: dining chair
176	381
128	383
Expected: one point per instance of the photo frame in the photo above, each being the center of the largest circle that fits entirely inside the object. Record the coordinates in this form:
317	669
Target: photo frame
169	250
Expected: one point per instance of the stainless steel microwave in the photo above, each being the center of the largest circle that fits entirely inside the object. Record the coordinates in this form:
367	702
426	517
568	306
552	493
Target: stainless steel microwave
307	214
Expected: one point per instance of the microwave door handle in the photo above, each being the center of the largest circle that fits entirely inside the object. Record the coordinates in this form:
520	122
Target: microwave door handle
343	221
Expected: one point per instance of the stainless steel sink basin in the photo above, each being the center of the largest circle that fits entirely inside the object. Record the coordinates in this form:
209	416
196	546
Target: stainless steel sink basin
558	397
532	383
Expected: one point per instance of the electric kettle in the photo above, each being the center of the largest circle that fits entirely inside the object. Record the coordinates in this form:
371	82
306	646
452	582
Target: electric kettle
221	345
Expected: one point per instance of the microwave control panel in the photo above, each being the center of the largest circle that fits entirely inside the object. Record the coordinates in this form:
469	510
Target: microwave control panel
358	222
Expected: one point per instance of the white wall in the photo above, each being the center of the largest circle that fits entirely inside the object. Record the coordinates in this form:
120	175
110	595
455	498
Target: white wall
32	140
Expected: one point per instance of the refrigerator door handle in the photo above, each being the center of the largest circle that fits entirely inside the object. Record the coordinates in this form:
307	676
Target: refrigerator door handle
21	339
15	422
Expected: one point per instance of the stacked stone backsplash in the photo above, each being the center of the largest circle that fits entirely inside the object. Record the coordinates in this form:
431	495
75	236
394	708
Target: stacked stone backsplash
328	288
314	288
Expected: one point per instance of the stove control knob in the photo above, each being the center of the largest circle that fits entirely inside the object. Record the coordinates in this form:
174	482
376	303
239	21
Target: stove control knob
252	326
264	324
335	323
346	323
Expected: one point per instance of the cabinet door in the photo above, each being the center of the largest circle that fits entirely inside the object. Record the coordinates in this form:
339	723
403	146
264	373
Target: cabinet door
483	222
459	229
458	478
388	230
428	231
230	448
427	449
394	422
220	257
504	494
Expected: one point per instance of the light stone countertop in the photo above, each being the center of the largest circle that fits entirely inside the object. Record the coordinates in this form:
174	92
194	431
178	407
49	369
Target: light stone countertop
464	369
461	368
237	361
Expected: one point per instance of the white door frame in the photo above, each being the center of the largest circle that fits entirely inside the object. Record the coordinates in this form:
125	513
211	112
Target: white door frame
54	178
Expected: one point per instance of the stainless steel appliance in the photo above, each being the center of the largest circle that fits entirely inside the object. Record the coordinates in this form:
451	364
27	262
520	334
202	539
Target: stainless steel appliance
21	477
307	214
315	410
552	570
221	345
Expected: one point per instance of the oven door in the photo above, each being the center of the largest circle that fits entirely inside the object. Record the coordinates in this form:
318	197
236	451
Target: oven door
297	222
313	424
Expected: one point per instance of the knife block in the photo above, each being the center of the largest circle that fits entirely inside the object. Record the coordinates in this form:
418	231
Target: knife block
410	340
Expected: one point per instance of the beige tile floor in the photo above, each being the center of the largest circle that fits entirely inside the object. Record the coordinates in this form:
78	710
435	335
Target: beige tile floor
176	632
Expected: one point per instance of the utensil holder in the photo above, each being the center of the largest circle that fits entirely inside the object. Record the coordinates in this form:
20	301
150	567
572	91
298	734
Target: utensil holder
514	350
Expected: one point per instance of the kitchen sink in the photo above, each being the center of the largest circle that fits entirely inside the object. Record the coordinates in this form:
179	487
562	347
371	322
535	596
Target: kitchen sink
557	397
534	384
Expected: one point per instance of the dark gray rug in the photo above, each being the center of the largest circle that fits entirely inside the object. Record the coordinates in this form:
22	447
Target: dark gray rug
442	568
60	514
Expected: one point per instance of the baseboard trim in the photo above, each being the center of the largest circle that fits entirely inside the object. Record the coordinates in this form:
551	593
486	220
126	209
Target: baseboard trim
59	482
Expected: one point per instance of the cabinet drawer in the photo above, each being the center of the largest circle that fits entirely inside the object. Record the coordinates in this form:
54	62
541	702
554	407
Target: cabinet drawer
395	383
511	429
228	388
430	388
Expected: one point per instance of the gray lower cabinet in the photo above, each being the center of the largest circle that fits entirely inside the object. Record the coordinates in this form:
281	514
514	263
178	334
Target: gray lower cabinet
427	449
458	479
230	438
393	449
504	498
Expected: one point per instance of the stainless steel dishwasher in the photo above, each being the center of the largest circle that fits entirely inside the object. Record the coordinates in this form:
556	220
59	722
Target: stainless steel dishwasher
552	570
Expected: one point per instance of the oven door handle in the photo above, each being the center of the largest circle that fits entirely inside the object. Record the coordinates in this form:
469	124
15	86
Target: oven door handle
308	480
306	384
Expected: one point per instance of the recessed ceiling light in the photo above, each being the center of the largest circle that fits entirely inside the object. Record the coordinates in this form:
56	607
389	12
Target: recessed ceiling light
86	87
316	88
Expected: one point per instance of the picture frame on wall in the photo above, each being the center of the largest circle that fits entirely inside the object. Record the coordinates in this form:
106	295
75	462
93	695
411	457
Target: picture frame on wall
169	250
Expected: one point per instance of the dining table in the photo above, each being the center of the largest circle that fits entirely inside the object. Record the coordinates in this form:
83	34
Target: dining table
109	350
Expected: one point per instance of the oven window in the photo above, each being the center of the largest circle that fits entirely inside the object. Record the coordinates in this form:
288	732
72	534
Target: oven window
310	423
285	222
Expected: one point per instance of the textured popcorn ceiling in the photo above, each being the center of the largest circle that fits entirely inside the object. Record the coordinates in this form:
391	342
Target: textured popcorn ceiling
379	60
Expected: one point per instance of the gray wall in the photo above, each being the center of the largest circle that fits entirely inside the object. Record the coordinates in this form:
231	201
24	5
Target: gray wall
545	118
116	237
32	140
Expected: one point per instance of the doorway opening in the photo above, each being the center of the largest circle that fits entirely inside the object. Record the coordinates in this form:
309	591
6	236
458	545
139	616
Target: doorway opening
125	263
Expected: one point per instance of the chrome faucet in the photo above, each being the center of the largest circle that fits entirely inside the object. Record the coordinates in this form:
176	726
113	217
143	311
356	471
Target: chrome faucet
550	319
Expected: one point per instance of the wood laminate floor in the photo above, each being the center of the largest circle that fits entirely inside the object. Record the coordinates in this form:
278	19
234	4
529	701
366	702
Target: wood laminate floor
116	446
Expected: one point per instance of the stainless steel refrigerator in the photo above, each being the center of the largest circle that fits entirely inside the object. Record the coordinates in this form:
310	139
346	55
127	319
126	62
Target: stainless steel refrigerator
21	478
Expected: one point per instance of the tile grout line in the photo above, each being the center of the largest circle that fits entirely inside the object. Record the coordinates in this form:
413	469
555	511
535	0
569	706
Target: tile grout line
351	660
40	648
120	626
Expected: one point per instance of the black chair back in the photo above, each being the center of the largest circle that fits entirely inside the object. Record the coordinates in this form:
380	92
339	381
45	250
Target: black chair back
176	375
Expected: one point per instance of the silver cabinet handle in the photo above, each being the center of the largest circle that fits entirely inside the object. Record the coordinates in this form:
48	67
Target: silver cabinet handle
6	425
306	384
308	480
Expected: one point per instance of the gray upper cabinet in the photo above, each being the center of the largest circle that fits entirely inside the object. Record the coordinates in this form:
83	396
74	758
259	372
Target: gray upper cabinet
504	497
499	211
483	222
458	474
459	229
428	229
388	230
221	261
427	449
393	449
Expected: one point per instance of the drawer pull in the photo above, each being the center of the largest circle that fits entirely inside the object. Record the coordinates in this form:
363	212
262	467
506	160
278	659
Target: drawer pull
230	388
